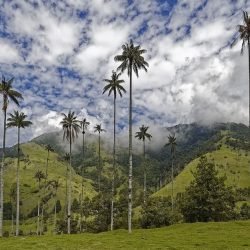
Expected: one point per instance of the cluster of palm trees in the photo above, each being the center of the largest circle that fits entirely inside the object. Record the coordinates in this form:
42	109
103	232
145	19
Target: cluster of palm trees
131	61
18	120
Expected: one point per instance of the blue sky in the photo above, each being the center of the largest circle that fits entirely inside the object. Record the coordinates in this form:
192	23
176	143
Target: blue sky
60	51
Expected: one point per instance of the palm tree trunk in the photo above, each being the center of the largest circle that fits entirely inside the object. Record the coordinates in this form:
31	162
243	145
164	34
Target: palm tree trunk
12	222
99	172
44	191
248	43
69	194
172	177
1	176
17	183
55	217
145	174
114	170
130	155
81	203
66	193
38	217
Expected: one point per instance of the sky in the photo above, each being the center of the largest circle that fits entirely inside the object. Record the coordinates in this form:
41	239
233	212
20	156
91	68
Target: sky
60	51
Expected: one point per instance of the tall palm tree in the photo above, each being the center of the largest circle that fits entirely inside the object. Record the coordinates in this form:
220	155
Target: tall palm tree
8	93
244	35
142	134
172	143
70	132
18	120
114	86
84	125
131	60
98	128
39	175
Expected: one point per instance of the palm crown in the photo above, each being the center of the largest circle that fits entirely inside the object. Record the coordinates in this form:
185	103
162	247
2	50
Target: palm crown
142	134
49	148
131	58
39	175
18	120
70	126
172	143
98	128
244	31
114	85
9	93
84	124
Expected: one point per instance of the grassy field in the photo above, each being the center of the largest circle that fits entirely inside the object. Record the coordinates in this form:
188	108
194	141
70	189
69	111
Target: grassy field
224	235
236	168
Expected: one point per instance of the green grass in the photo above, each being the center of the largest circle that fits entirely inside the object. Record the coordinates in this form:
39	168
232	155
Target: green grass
224	235
227	162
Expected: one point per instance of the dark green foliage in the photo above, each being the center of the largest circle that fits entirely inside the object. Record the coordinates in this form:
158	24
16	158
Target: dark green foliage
156	213
61	226
7	208
245	212
58	206
75	206
100	209
207	198
6	234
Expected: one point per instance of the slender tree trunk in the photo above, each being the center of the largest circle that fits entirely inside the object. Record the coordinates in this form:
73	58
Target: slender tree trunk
130	155
12	222
38	217
66	193
145	173
69	197
248	43
114	170
55	216
99	172
81	203
44	192
172	177
17	183
1	175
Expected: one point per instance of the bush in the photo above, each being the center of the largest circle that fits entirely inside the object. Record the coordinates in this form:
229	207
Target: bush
245	211
6	234
157	212
62	226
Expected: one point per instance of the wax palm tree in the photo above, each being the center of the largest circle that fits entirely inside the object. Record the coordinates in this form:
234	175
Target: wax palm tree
18	120
84	125
131	60
142	135
244	35
114	86
39	175
98	128
70	132
8	93
172	143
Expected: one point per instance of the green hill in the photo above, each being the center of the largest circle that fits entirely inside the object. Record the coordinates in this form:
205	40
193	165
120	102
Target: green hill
33	159
234	164
213	235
